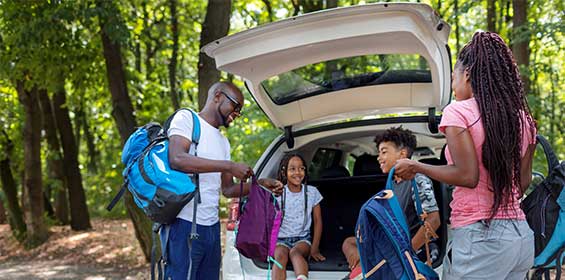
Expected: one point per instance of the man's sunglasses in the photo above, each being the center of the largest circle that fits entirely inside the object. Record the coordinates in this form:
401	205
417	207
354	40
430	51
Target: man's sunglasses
237	105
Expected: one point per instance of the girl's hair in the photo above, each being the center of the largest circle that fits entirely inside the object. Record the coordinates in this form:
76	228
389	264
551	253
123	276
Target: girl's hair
499	92
283	167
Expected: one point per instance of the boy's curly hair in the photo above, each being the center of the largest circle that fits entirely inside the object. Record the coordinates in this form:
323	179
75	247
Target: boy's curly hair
402	138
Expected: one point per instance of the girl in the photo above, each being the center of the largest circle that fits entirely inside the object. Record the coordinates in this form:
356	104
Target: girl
299	203
490	142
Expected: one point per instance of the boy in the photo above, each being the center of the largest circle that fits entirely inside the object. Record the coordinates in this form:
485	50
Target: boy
394	144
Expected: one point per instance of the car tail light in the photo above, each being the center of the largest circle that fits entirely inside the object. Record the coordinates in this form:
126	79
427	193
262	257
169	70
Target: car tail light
233	213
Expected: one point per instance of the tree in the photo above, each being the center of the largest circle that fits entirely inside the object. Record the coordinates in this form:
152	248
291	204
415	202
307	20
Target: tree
55	164
122	111
36	228
491	15
80	219
15	214
521	40
3	217
173	63
216	25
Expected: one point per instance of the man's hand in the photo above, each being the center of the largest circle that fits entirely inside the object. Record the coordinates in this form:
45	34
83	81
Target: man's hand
275	186
241	170
315	255
405	169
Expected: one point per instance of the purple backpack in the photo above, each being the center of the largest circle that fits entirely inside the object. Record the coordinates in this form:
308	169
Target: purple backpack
259	224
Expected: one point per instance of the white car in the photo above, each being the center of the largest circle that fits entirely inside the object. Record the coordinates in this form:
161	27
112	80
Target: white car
331	81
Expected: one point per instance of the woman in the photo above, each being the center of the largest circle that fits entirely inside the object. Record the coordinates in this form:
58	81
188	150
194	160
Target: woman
490	142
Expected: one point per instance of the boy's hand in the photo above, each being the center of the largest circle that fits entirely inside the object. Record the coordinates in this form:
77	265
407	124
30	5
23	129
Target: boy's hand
315	254
405	169
275	186
353	261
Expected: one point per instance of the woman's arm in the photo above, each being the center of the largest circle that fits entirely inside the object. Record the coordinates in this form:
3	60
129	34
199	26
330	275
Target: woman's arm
317	219
465	168
526	168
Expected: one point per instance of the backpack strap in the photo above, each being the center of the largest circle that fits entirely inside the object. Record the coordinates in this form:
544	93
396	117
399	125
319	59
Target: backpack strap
417	201
193	229
552	161
196	179
305	189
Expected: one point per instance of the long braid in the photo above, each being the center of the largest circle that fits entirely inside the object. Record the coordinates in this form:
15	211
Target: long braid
499	92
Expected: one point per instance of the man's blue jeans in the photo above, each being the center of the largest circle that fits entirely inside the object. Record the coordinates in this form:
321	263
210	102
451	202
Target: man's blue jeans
206	252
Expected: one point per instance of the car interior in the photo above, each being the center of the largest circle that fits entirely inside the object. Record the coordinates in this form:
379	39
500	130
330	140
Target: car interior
346	171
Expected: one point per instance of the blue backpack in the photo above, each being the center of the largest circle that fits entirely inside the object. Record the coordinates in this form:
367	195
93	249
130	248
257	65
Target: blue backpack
383	239
545	211
161	192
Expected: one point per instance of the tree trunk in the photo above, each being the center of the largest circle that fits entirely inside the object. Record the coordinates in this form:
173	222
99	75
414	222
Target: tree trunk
216	25
457	32
309	6
491	16
15	214
173	64
92	152
123	115
36	227
54	159
80	219
269	9
521	40
121	102
3	218
79	115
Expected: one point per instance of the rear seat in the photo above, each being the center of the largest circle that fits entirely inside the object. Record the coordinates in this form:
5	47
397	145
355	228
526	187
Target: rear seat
366	164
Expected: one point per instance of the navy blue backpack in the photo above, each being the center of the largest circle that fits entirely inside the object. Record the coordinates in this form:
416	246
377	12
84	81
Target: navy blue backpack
383	239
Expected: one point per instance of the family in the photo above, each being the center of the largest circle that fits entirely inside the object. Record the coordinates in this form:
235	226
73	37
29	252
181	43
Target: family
490	142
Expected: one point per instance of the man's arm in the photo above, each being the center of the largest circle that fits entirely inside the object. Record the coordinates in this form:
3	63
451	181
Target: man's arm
181	160
232	189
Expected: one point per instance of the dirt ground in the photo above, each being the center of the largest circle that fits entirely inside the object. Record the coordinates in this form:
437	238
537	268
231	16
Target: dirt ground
108	251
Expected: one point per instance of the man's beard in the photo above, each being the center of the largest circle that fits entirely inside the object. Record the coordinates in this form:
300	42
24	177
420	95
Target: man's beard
224	119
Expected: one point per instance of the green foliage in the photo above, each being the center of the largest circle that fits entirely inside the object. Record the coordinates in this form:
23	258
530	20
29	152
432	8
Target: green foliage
54	44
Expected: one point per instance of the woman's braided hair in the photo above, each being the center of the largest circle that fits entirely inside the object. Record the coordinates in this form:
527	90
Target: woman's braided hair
499	92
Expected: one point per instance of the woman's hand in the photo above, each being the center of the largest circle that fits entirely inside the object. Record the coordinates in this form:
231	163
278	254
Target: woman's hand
405	169
315	254
275	186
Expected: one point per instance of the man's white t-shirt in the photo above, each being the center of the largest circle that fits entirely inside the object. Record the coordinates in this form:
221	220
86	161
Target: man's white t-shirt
212	145
293	221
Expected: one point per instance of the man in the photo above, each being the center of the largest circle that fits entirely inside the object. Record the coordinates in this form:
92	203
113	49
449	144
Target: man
216	172
395	144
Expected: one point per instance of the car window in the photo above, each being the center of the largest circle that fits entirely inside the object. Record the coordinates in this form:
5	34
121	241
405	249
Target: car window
323	159
350	162
343	73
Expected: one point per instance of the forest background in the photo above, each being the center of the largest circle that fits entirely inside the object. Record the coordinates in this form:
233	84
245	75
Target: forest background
77	77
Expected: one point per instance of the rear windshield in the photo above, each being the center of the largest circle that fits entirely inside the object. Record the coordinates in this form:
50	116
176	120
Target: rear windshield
343	73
